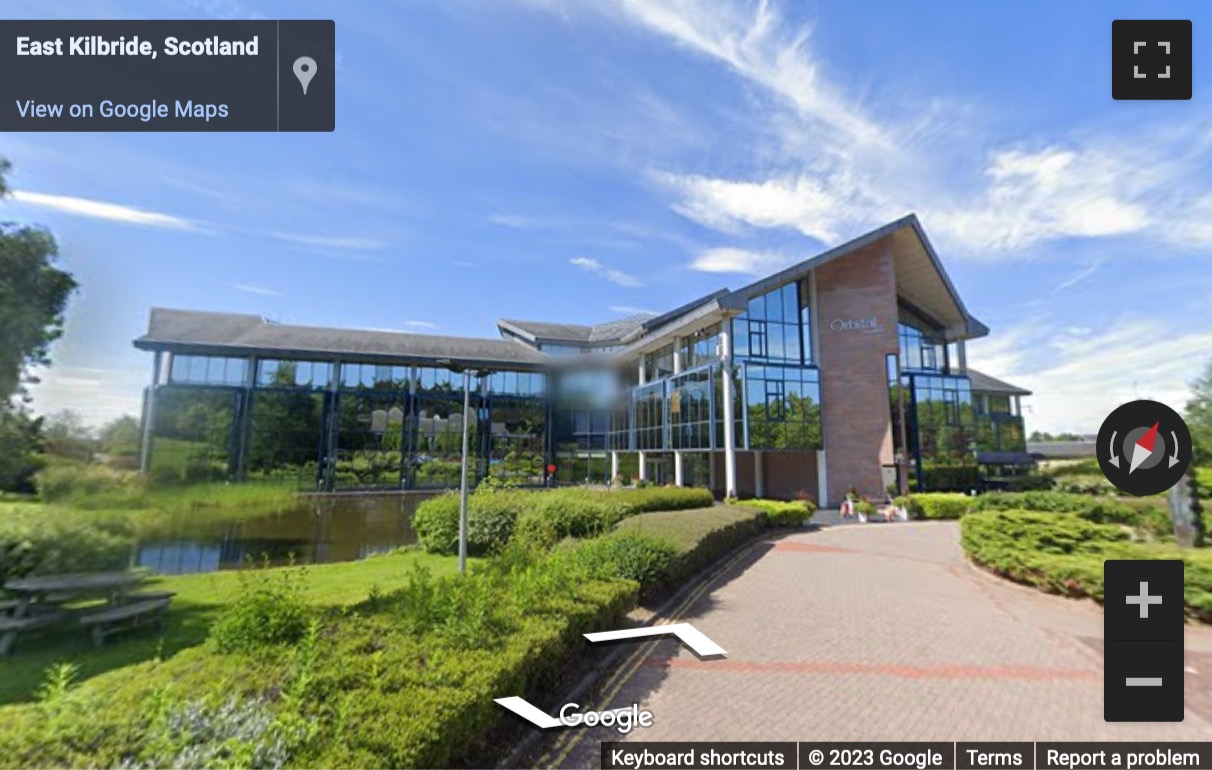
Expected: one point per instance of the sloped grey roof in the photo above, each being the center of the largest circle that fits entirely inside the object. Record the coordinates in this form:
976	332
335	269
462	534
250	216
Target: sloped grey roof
983	383
238	334
611	331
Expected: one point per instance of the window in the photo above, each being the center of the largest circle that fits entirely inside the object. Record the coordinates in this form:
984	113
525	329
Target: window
690	409
658	364
921	350
783	407
208	370
774	326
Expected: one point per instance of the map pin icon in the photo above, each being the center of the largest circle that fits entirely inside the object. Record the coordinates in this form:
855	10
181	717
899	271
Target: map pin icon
305	70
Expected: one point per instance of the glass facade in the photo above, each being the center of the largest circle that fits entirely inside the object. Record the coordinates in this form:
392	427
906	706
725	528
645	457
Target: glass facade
775	327
341	425
690	410
783	407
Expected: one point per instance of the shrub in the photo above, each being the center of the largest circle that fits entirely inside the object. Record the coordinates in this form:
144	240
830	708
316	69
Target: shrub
942	505
71	481
629	555
865	507
701	537
1064	553
780	513
35	540
1028	482
572	512
535	530
268	611
491	515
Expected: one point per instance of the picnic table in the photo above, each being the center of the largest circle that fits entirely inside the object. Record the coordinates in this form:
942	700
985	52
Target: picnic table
40	602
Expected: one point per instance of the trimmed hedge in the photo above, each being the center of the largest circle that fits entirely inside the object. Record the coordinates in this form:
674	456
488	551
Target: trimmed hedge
700	538
1064	553
1146	514
782	513
492	515
941	505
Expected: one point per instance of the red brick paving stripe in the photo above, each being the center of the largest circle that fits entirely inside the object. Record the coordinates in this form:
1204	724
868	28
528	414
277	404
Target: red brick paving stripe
899	671
791	545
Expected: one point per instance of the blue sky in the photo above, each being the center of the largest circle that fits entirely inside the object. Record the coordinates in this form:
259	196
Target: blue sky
582	160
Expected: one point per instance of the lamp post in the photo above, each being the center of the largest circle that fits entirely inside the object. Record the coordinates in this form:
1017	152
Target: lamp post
452	366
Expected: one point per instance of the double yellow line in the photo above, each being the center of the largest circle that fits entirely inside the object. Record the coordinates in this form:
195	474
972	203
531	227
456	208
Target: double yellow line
622	675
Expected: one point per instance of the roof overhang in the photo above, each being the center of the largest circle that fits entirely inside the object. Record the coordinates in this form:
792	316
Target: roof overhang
921	281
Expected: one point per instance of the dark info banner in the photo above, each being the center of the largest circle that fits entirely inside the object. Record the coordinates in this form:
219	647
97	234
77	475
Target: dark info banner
698	755
1136	755
167	75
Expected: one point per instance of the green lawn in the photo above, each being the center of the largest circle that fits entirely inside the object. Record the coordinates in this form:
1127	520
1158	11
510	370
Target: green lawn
199	597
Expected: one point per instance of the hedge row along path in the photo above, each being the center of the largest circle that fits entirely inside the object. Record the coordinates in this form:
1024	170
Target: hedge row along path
876	633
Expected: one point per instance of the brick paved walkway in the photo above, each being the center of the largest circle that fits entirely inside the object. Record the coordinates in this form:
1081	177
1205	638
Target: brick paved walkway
877	632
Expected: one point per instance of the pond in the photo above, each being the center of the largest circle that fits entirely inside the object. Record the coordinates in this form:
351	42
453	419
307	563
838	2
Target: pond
316	530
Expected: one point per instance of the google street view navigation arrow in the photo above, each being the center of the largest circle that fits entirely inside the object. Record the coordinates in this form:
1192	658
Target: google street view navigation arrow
530	713
693	638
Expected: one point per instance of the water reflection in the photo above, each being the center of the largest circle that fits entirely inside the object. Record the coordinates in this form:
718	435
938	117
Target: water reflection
316	530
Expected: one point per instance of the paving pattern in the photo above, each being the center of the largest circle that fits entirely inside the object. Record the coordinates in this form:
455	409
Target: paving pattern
876	632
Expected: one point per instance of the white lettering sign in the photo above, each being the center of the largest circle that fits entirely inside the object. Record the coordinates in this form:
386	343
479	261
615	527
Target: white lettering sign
865	325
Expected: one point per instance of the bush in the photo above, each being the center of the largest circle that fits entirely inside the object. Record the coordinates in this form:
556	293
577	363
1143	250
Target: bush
701	537
535	530
942	505
70	481
35	540
1143	514
491	515
390	686
630	555
1028	483
269	611
572	512
1064	553
780	513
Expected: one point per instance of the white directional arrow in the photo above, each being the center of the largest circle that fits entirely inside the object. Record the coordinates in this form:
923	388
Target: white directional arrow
532	714
1173	458
693	638
1114	457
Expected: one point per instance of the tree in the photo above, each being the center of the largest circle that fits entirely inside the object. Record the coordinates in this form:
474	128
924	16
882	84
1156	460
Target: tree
20	437
33	297
64	433
120	437
1199	416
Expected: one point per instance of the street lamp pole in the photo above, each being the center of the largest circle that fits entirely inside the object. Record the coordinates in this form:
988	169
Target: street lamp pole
463	479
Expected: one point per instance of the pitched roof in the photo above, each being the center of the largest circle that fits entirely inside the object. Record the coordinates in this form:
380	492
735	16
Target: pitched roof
546	331
983	383
240	334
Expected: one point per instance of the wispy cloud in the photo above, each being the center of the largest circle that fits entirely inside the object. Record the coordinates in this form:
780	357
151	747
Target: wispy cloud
333	242
94	209
1079	276
420	325
829	161
732	260
261	290
1081	374
611	274
99	395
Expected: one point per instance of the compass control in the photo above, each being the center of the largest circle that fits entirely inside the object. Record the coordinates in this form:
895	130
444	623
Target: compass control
1144	447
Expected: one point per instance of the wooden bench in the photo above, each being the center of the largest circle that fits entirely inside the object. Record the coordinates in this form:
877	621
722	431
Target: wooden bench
11	628
111	620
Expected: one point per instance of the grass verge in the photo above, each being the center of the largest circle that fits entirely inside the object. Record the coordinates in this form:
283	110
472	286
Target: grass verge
198	602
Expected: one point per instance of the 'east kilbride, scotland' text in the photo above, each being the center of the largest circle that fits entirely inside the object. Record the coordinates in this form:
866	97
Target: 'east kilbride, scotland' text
96	45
